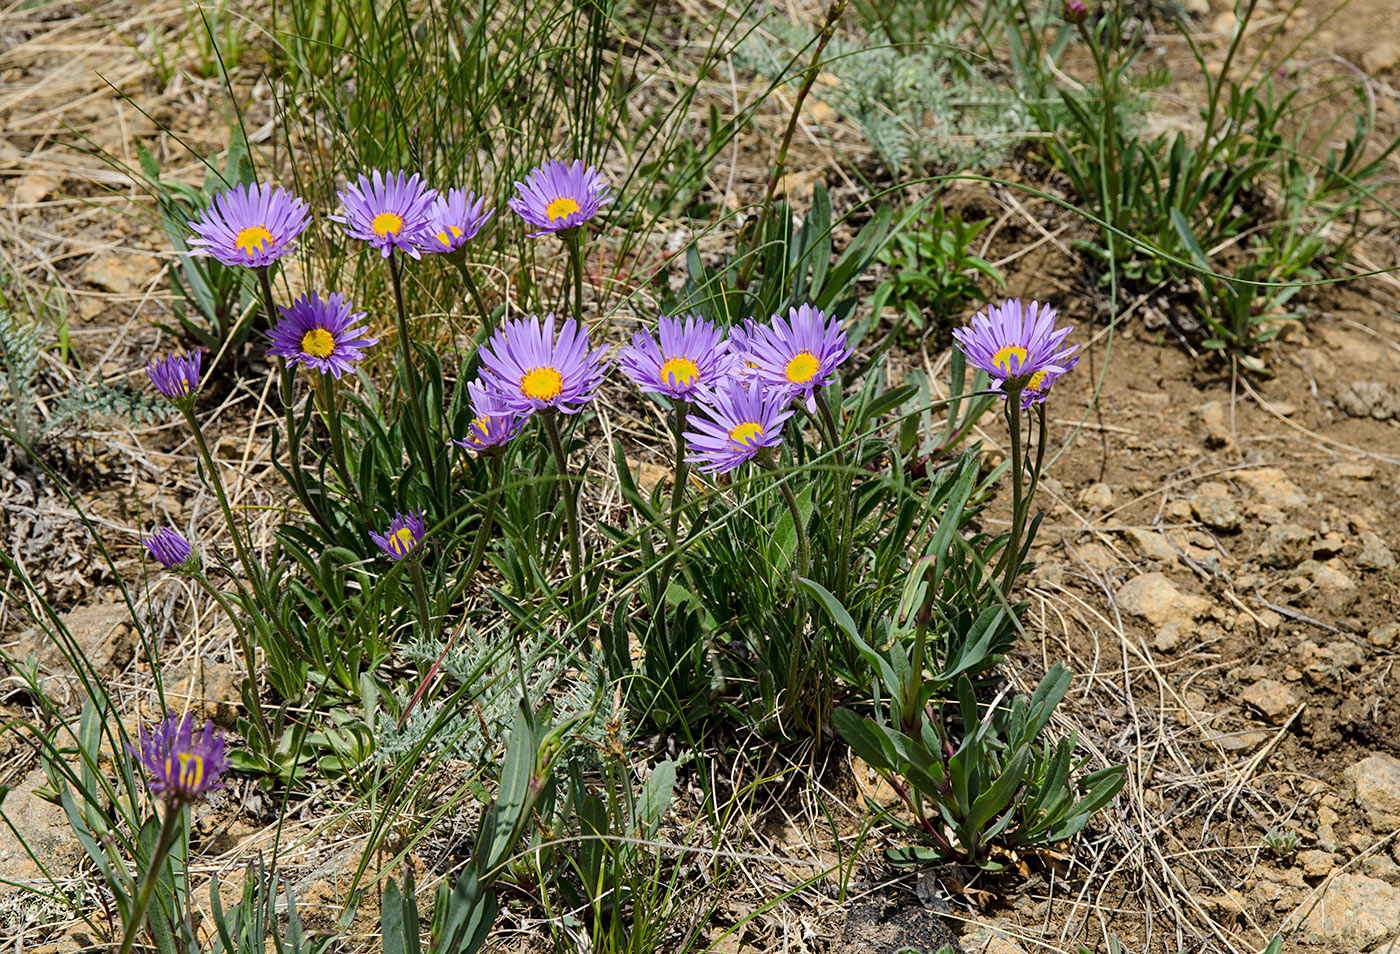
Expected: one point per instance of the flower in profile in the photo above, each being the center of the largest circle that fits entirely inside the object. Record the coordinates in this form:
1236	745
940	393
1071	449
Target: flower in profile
742	420
798	354
560	195
740	351
691	359
1019	347
170	550
454	221
182	765
491	425
321	335
404	533
250	225
387	211
528	370
176	377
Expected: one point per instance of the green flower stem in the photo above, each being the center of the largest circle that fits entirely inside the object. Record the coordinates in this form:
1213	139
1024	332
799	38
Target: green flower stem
294	443
217	484
551	429
325	388
804	558
415	390
420	592
250	659
483	534
169	828
459	259
844	503
1109	131
1018	509
575	246
677	501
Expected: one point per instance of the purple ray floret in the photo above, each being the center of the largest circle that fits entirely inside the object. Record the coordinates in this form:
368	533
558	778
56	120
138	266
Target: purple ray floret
387	211
183	766
740	421
491	424
799	354
404	533
1019	347
176	376
321	335
691	359
560	195
454	221
250	225
528	370
169	549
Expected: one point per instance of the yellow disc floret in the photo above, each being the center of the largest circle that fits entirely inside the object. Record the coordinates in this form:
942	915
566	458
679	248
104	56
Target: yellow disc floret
1036	381
386	222
318	342
480	427
402	541
542	384
802	367
252	239
746	434
442	236
1002	359
679	372
560	207
191	771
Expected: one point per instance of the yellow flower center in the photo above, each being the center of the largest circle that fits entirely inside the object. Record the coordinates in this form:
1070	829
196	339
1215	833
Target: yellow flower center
679	372
560	207
542	384
402	541
745	434
252	239
386	222
478	430
180	386
191	770
318	342
1036	381
442	236
1002	359
802	367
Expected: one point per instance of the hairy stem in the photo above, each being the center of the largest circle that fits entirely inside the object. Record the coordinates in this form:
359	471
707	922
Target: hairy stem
551	429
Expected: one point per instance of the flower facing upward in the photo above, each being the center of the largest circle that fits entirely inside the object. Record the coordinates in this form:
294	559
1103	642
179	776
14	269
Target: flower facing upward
560	195
528	370
1019	347
403	535
388	212
321	335
170	550
692	358
176	377
250	225
799	354
454	221
182	765
491	426
742	421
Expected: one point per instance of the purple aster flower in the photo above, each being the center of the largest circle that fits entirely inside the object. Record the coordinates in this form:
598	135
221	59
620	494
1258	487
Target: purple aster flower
1019	347
322	335
388	212
1076	11
182	765
560	195
742	421
402	537
740	350
170	550
250	225
176	377
491	425
527	370
799	354
692	358
454	221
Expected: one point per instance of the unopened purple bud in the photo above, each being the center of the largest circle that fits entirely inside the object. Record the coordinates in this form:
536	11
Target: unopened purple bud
1076	11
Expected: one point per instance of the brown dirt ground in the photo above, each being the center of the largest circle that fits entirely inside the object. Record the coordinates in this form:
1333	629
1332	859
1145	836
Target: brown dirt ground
1162	446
